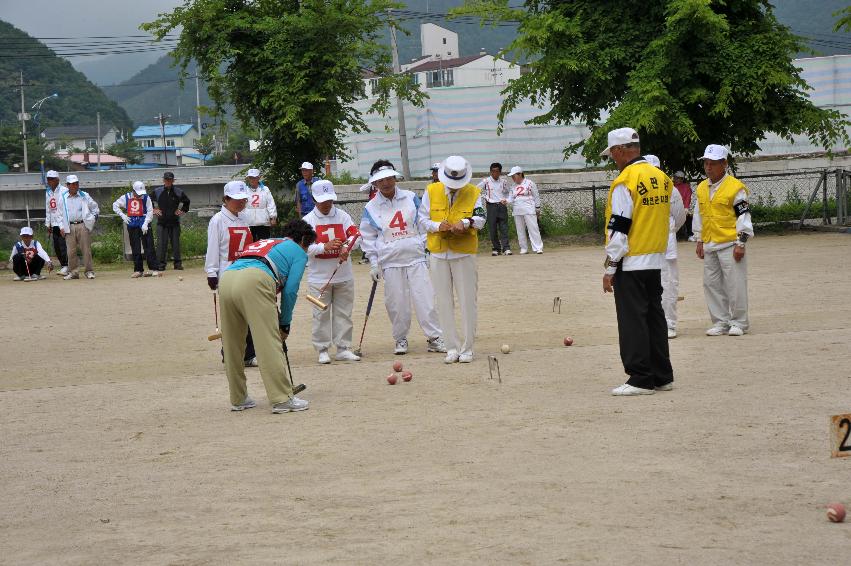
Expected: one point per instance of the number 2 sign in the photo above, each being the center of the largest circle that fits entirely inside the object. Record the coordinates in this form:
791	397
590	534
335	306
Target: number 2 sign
840	436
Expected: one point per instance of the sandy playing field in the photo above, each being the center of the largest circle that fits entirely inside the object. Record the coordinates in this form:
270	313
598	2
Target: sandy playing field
118	446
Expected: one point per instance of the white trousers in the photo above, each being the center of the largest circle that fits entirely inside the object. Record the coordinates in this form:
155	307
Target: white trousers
401	285
335	322
528	222
451	277
670	290
725	286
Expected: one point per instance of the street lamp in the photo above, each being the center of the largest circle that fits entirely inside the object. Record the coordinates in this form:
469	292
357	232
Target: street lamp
36	117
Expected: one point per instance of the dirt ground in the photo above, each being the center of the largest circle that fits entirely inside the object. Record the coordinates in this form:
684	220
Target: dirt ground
118	446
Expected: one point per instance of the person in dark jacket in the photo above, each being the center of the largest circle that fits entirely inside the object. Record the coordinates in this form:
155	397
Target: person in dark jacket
170	203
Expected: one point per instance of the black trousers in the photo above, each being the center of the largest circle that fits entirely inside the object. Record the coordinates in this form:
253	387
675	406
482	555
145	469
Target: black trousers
498	226
642	330
166	234
59	246
136	241
19	265
685	231
260	232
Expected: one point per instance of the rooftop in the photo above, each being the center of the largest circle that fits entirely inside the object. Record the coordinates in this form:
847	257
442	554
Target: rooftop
155	131
75	132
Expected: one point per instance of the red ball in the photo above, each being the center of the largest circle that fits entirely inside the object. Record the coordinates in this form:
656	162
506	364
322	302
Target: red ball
568	341
391	379
407	376
397	366
836	512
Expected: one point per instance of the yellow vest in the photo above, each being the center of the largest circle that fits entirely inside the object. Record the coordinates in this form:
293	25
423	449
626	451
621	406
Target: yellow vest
462	207
650	190
717	214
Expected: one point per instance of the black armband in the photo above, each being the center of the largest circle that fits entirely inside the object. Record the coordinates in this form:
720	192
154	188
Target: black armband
742	237
741	207
620	224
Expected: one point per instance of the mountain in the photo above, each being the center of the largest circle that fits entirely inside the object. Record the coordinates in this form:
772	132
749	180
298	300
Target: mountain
814	21
44	74
113	69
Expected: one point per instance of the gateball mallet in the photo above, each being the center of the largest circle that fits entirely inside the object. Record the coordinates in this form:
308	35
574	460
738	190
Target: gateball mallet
366	317
301	386
317	300
218	333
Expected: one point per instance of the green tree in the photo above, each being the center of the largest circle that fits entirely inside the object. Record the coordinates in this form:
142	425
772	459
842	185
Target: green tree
127	149
684	73
12	149
205	145
291	69
844	21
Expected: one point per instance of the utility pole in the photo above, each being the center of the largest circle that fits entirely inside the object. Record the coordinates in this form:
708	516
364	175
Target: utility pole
161	118
98	142
400	107
24	126
198	102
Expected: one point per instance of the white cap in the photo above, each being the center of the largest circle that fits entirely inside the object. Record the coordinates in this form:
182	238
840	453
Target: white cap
455	172
236	189
365	188
253	173
72	179
323	190
306	165
680	174
139	187
621	136
652	160
435	166
51	175
715	152
515	170
26	231
382	173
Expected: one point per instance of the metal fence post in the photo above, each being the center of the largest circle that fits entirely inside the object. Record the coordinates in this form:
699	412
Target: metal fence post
594	206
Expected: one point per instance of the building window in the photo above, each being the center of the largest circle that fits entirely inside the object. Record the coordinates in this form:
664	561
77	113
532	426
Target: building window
91	142
169	143
439	78
146	143
444	41
373	86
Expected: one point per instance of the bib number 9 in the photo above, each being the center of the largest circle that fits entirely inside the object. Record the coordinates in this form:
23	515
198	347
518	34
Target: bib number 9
134	207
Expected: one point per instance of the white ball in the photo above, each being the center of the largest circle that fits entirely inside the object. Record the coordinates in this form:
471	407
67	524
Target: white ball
506	348
180	278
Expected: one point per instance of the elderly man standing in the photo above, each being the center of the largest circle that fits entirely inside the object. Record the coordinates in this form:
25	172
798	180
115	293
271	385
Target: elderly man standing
79	213
497	193
170	203
637	220
451	212
260	213
722	223
138	214
304	202
53	218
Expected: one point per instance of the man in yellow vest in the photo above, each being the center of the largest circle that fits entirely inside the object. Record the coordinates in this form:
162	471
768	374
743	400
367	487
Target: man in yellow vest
637	214
451	212
722	224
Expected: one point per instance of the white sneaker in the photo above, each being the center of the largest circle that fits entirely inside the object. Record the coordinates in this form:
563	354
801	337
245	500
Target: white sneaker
324	358
672	333
63	271
717	331
90	274
346	356
523	252
29	278
248	403
539	252
292	406
506	252
252	363
41	277
692	239
735	331
627	390
451	357
494	253
155	273
136	275
466	358
401	347
72	275
436	345
666	387
17	278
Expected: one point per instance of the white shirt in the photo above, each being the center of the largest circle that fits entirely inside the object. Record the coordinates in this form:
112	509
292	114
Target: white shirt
53	214
321	263
78	208
260	207
426	224
121	204
676	220
495	190
743	221
33	245
524	198
227	234
390	234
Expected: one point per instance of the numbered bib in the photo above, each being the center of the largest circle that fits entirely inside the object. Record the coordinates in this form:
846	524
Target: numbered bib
52	203
135	207
255	200
522	191
29	253
327	232
398	227
239	237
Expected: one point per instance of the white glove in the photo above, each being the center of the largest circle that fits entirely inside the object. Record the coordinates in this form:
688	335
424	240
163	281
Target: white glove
144	228
375	272
125	218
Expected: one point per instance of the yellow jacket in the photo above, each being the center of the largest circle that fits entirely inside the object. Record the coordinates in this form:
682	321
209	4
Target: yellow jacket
462	207
650	190
717	214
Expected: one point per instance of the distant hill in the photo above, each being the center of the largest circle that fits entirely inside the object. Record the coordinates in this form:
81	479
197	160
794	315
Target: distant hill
113	69
79	100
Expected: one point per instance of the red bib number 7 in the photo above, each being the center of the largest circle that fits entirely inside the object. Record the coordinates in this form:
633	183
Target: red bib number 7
240	236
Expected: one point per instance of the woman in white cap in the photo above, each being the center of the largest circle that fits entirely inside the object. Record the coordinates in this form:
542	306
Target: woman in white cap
452	213
227	235
28	257
526	208
260	213
333	228
79	213
303	200
396	249
53	218
138	214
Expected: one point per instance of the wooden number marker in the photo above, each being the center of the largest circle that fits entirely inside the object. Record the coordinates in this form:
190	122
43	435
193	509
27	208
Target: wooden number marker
840	436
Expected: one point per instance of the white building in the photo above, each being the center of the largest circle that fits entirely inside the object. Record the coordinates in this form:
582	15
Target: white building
178	148
64	138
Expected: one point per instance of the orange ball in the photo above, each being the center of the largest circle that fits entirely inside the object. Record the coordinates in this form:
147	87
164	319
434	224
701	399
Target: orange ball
391	379
568	341
836	512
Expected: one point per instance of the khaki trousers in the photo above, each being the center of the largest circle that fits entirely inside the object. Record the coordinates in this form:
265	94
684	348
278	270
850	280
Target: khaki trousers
452	277
248	299
78	235
725	286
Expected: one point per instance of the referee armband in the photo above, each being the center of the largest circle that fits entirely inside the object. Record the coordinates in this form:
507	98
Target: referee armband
741	208
620	224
